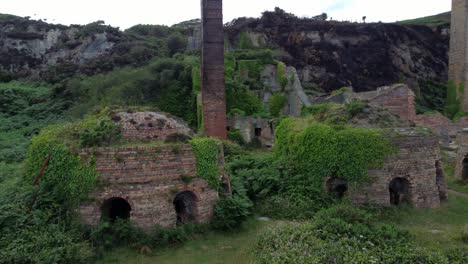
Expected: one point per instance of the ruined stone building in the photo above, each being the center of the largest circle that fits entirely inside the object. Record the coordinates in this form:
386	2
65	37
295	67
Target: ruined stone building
153	185
414	173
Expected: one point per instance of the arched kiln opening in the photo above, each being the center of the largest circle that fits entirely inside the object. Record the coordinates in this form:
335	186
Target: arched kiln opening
399	191
114	208
185	207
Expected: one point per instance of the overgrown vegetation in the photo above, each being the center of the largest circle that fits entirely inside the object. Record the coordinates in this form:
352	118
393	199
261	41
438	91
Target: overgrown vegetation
318	150
206	154
276	104
345	234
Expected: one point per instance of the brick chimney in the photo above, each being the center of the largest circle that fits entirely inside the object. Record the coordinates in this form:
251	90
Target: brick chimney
212	60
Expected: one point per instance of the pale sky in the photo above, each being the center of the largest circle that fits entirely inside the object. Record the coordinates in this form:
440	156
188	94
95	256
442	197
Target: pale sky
125	13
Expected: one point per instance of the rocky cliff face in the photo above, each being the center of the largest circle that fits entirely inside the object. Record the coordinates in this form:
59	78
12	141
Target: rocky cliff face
331	55
39	50
327	55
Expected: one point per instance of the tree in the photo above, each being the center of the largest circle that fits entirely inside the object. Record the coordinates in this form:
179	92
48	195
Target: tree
176	43
321	17
364	19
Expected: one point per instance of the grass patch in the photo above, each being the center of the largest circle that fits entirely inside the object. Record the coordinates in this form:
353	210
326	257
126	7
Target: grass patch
439	228
215	247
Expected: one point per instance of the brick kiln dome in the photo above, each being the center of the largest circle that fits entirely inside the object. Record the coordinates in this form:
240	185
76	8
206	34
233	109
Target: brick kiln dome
150	125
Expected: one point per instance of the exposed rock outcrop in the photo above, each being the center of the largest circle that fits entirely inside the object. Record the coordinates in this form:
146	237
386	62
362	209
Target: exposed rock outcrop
331	55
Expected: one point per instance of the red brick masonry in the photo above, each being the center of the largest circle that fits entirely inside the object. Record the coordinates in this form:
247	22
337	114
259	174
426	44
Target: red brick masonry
148	178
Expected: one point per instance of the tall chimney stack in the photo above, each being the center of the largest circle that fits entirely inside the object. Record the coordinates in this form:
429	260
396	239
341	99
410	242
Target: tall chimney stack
212	60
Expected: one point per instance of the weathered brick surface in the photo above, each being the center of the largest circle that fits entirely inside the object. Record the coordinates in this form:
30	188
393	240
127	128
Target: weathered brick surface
458	70
400	101
149	126
213	88
415	161
148	178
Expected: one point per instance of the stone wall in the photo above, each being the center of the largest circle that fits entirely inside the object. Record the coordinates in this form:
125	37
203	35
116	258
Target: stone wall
248	127
149	126
148	178
417	161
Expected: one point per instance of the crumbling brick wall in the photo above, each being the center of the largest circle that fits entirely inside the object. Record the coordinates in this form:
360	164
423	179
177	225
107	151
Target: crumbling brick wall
149	126
399	100
416	161
148	178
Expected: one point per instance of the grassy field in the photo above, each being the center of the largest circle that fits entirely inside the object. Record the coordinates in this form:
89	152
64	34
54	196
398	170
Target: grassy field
214	248
436	228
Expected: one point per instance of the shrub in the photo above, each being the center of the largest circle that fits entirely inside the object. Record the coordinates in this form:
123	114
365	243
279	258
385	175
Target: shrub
244	41
104	133
236	136
258	173
230	212
44	243
160	237
343	234
453	102
176	43
318	150
281	75
355	107
276	104
121	232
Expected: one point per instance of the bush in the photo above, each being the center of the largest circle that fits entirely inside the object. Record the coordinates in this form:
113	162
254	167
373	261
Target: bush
454	97
355	107
318	150
236	136
258	173
344	234
276	104
176	43
121	232
230	212
161	237
44	243
103	134
244	41
281	77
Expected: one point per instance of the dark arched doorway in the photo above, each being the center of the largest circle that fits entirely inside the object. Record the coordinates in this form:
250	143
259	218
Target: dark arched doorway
465	168
337	187
115	208
184	204
399	191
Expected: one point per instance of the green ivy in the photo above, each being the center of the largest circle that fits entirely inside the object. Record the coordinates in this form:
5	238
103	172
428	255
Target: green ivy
66	180
206	155
319	150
